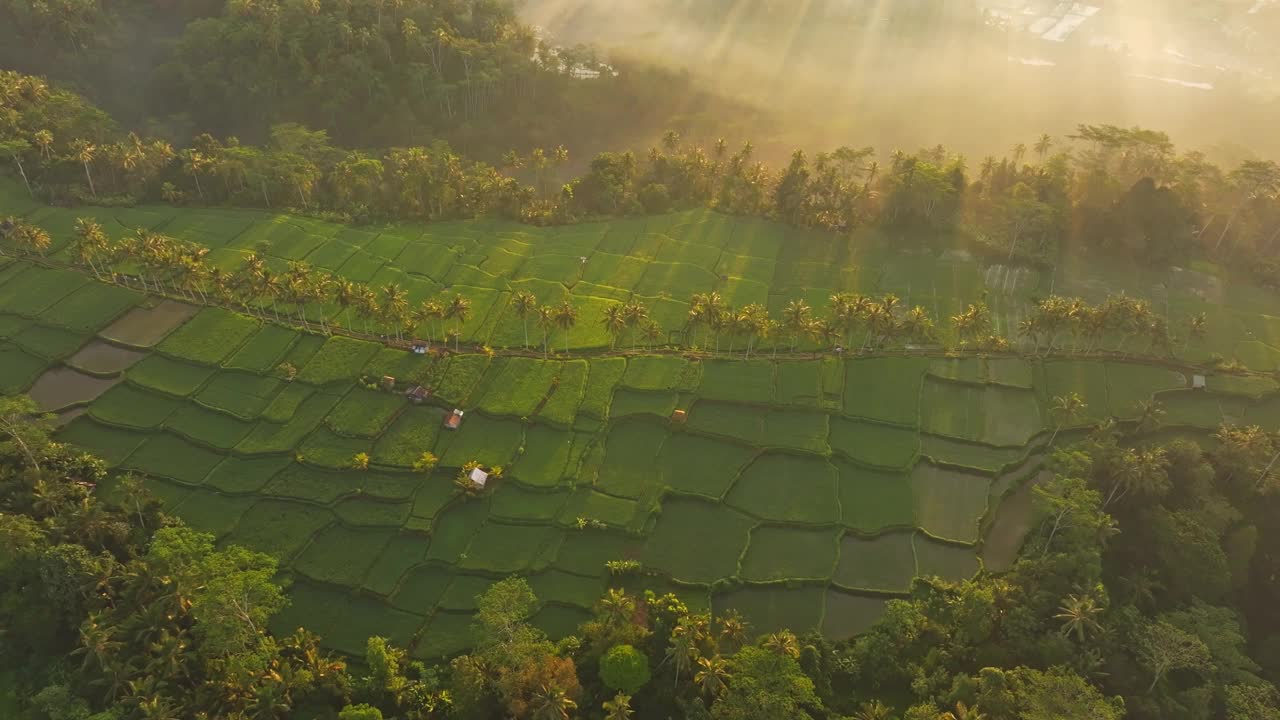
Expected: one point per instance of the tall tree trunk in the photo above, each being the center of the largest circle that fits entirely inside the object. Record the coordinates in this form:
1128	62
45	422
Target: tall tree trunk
23	173
90	179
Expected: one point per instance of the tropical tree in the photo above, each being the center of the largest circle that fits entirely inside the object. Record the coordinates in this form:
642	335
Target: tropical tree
1079	615
1066	408
395	306
636	314
524	303
712	676
619	708
782	643
458	309
795	317
566	316
14	148
1197	329
83	152
614	322
546	320
652	333
552	703
963	712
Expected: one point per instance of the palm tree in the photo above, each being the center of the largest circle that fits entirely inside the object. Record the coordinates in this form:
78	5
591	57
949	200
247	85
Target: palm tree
14	149
795	317
636	314
1150	413
459	308
44	140
963	712
1079	616
83	151
712	676
783	643
614	322
733	630
619	708
652	333
524	303
566	317
1141	471
552	703
1043	145
1197	329
395	305
874	710
546	320
681	652
34	237
1019	152
1066	408
192	163
346	294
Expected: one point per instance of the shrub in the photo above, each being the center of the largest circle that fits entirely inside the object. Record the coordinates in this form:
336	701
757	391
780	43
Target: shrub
624	668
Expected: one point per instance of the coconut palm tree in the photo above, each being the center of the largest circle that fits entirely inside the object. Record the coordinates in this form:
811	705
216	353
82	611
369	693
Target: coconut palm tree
552	703
635	314
614	323
566	315
652	333
1150	413
1197	329
874	710
345	294
459	309
1079	616
33	237
712	676
795	317
783	643
1043	145
92	245
681	652
1144	472
83	152
546	320
963	712
524	303
14	149
395	305
1066	408
619	708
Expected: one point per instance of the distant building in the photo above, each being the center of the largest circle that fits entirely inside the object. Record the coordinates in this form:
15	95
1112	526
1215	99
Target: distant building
419	348
679	417
388	383
479	477
417	394
454	421
1199	382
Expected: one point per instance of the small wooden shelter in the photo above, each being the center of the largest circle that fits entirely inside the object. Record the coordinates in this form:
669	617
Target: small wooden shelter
417	394
454	421
479	477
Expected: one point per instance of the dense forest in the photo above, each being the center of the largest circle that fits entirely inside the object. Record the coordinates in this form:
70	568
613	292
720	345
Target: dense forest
1125	192
370	73
1145	590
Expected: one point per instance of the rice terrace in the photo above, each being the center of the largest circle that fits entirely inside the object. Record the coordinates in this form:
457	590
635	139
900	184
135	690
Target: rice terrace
799	476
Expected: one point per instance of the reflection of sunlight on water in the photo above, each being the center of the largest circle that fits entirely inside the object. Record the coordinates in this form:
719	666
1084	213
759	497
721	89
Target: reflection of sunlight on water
1176	81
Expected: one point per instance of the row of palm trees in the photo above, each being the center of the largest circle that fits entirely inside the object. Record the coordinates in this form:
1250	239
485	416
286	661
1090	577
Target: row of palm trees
163	264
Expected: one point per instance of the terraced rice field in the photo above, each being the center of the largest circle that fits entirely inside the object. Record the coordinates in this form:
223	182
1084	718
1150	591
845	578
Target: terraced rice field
803	492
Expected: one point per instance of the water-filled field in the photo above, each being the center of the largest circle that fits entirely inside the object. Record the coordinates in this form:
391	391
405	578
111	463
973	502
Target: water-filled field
803	491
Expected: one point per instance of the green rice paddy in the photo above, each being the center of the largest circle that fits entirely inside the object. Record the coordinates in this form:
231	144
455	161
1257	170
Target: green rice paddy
801	491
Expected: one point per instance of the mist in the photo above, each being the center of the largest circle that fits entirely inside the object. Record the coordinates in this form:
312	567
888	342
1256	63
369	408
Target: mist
977	76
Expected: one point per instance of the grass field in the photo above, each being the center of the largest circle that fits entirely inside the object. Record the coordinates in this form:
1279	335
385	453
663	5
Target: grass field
802	491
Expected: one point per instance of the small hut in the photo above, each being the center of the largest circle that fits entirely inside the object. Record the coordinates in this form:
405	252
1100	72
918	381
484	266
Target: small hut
419	347
454	421
1199	382
679	417
388	383
479	477
417	395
